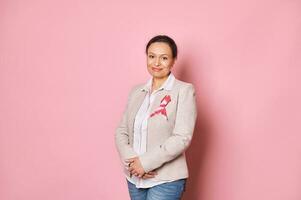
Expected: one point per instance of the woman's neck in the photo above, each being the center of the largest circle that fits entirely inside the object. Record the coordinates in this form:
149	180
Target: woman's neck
157	83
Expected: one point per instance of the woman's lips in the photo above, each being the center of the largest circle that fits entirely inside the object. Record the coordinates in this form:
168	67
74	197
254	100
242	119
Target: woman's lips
156	69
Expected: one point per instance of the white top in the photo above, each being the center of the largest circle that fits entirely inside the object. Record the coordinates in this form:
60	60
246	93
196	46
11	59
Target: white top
140	130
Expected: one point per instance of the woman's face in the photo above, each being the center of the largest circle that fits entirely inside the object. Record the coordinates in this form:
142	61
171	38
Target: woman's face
159	60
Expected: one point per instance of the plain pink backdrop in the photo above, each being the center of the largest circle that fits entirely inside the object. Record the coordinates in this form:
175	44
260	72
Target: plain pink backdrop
66	68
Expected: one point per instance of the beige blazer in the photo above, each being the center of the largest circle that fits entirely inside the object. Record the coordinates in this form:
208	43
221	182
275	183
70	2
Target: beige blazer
167	138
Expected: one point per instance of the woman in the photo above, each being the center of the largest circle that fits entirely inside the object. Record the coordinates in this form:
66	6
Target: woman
157	127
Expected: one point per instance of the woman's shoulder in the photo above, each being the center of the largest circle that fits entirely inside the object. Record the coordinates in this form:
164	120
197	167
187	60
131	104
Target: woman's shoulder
136	88
185	89
183	84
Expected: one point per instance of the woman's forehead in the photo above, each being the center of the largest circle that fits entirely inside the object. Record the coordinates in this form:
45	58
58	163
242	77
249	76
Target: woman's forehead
159	48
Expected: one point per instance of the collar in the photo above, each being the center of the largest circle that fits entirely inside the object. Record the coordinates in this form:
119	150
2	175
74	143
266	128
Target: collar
167	85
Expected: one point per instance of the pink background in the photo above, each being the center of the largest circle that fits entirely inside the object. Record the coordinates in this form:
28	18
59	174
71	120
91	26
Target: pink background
66	68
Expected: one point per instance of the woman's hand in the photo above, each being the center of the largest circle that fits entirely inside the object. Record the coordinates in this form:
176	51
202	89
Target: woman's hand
135	167
149	175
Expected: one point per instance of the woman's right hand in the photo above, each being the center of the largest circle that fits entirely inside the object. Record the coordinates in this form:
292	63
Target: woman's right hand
149	175
137	167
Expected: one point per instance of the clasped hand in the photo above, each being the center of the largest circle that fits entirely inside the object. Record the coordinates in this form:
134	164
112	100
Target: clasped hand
135	168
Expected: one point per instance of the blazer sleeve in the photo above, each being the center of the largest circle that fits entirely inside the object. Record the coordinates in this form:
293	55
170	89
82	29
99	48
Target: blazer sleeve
181	136
122	140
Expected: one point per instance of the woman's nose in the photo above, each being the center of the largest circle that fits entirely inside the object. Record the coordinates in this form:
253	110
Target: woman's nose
157	62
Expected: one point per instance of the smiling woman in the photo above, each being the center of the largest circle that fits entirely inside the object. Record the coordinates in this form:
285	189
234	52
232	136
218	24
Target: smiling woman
157	127
160	60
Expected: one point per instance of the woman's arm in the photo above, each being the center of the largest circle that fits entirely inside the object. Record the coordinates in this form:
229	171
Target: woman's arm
122	136
126	152
182	134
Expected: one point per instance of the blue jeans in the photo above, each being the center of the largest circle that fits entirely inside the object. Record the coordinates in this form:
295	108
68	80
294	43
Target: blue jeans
166	191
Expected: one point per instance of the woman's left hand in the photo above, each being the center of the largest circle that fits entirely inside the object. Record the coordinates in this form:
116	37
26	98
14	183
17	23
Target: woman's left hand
135	167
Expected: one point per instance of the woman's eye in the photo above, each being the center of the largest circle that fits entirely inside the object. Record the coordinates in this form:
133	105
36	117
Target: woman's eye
151	56
165	58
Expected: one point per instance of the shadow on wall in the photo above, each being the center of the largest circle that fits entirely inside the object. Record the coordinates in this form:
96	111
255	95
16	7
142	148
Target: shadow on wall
201	139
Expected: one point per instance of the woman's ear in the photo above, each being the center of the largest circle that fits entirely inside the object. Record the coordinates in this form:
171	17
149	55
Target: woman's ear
173	63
